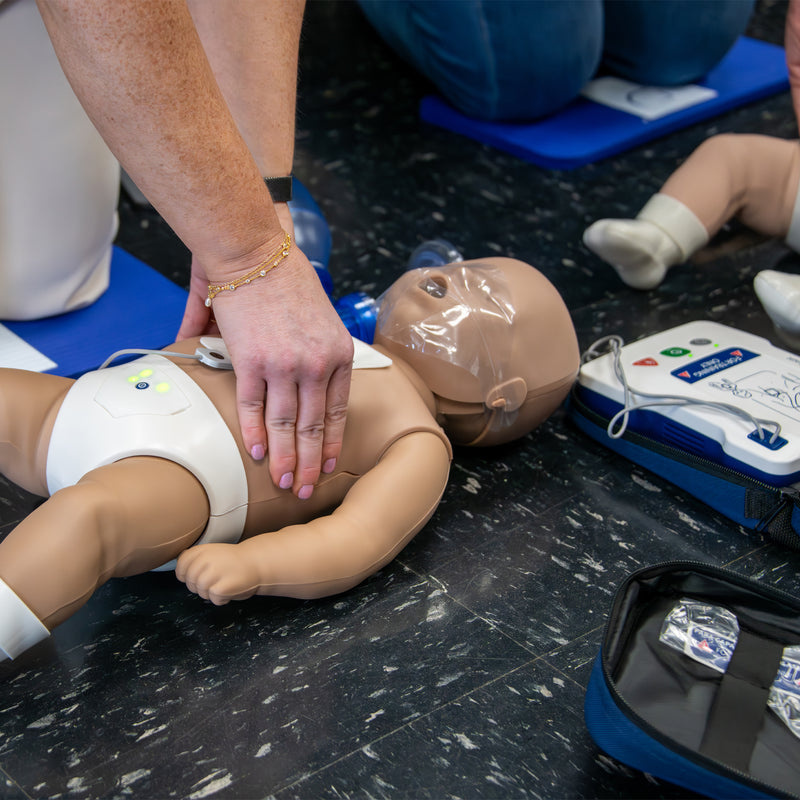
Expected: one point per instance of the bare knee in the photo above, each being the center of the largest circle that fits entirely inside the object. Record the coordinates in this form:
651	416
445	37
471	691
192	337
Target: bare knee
91	525
727	147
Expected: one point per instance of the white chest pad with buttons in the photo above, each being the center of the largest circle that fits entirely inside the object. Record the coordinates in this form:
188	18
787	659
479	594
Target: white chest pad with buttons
150	407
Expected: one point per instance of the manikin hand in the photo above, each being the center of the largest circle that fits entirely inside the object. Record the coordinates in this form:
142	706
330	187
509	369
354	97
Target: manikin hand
218	572
292	357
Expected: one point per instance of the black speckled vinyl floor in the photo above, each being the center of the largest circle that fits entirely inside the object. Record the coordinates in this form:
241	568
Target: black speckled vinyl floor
458	671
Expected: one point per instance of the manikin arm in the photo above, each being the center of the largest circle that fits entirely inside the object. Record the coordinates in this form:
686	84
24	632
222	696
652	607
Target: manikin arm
140	71
378	517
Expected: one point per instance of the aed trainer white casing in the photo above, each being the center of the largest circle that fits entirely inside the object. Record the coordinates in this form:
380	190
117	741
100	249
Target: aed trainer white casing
711	363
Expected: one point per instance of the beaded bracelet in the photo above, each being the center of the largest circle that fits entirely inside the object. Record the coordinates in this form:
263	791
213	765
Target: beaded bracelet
259	272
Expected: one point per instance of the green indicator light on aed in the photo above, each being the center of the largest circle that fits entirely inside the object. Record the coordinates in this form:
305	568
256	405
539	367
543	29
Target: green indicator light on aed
162	387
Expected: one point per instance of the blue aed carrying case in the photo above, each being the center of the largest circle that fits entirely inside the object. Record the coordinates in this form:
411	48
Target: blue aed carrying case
713	410
696	682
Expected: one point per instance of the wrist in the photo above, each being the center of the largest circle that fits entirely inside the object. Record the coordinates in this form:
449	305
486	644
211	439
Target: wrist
272	234
234	282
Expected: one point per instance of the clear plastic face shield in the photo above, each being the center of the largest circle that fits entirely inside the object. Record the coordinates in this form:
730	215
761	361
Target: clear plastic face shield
454	324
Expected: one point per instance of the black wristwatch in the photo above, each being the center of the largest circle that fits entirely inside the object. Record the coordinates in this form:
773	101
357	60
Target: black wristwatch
280	188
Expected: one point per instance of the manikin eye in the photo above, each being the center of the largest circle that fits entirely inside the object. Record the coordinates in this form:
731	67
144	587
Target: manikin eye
435	287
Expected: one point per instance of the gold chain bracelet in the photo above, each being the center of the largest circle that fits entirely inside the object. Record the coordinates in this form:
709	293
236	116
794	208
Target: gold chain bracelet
259	272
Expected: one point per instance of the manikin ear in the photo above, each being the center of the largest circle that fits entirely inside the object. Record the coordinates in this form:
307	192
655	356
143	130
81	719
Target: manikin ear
507	396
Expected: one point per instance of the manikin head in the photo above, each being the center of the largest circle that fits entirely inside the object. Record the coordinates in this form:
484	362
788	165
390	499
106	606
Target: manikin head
492	339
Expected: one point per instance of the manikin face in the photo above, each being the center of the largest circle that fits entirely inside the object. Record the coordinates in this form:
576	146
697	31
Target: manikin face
490	338
449	322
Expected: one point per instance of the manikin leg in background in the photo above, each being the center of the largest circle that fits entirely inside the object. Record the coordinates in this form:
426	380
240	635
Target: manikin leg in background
749	177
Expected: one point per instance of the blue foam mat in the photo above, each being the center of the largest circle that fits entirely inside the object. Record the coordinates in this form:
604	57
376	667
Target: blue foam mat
585	131
140	308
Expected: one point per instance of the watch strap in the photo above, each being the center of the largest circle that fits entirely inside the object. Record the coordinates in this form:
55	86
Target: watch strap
280	188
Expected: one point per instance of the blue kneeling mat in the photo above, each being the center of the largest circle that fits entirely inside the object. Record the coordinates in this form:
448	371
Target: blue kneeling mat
141	308
586	131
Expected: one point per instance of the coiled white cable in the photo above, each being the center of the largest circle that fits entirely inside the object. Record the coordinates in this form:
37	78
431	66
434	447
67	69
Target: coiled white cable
614	345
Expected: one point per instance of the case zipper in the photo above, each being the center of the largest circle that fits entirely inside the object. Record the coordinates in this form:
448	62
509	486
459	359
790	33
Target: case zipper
783	494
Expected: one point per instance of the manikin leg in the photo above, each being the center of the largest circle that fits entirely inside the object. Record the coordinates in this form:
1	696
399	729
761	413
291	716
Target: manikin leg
753	178
122	519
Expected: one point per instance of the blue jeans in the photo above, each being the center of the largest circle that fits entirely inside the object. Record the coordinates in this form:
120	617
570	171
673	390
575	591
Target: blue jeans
522	59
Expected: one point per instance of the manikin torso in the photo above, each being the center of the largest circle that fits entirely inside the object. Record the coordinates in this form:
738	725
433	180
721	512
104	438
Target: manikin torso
386	403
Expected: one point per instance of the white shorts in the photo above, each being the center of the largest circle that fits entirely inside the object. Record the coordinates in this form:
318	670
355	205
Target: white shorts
59	182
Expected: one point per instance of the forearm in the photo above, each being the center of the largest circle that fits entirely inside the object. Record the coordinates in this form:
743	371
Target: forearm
254	53
140	71
324	557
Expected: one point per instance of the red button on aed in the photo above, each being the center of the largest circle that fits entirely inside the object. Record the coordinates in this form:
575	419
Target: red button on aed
645	362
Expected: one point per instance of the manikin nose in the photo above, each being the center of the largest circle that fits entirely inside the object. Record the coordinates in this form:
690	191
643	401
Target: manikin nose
434	285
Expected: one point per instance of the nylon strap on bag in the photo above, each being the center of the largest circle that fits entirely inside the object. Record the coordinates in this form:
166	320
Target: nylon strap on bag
737	713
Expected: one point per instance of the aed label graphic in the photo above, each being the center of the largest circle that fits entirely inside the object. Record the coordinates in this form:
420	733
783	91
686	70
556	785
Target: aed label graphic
711	365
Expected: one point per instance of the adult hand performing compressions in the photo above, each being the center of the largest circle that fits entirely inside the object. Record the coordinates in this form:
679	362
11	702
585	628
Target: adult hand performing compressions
197	101
292	358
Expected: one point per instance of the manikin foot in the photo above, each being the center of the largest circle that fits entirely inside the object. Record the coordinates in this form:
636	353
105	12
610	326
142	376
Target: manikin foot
638	250
20	628
779	293
665	232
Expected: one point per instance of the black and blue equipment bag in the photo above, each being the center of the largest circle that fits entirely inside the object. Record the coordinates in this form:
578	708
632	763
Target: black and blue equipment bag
698	682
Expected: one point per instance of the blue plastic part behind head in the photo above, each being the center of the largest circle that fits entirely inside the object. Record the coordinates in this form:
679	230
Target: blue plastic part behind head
325	278
311	232
434	253
359	312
